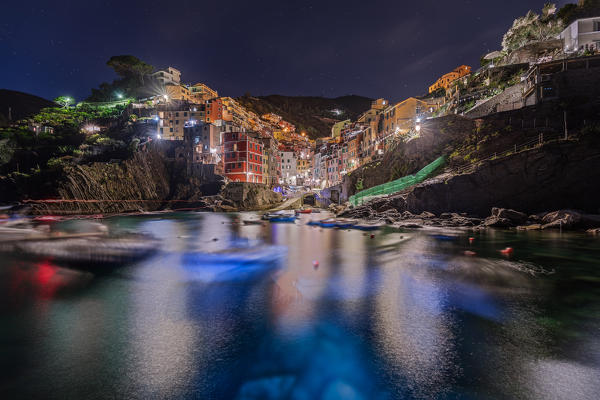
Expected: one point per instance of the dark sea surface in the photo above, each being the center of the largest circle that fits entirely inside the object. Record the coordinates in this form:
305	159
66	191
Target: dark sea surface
290	311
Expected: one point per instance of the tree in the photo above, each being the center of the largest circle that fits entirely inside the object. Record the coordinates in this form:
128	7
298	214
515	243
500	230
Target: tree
128	66
63	101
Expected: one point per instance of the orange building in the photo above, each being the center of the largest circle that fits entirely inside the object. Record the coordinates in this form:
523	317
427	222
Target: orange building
445	80
214	110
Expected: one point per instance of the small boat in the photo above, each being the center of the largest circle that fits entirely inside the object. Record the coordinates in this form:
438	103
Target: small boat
304	211
344	223
368	226
282	218
328	223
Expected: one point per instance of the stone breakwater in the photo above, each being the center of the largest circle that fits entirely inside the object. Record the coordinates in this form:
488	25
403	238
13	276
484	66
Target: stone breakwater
499	218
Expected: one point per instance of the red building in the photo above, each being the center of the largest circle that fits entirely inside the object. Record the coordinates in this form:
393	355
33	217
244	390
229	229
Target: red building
243	157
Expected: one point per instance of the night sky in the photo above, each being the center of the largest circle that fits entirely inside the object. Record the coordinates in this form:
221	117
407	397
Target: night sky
391	49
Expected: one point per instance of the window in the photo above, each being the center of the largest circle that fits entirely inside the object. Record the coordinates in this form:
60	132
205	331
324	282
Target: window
177	114
596	26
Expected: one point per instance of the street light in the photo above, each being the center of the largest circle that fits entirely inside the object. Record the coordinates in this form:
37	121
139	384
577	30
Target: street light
119	95
418	128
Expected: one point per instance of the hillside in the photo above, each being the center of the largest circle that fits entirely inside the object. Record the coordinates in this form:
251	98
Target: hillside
22	105
314	115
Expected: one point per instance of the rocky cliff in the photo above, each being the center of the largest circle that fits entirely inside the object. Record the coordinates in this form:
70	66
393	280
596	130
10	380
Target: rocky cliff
555	176
146	182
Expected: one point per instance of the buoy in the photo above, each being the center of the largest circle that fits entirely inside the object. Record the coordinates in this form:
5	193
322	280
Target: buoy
507	251
315	264
470	253
372	236
215	239
471	239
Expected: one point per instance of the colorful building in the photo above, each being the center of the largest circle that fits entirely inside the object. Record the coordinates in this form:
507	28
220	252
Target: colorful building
445	80
243	157
401	117
175	116
201	93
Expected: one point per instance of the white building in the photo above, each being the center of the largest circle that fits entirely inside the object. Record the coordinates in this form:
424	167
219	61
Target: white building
288	167
169	76
582	34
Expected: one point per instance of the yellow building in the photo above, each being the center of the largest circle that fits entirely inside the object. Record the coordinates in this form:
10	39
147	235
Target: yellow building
445	80
178	92
338	127
200	93
402	116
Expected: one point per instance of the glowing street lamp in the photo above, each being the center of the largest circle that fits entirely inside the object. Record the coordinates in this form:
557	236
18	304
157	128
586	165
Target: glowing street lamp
119	95
418	128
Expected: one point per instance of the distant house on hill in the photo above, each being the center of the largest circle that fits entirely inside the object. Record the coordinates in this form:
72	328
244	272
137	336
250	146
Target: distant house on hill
445	80
167	76
582	34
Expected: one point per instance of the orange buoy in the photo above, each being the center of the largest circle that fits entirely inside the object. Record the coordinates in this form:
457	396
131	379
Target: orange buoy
315	264
507	251
471	239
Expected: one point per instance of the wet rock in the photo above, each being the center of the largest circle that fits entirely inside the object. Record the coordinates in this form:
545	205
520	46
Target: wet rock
251	196
515	217
427	215
562	219
398	202
594	231
408	215
532	227
497	222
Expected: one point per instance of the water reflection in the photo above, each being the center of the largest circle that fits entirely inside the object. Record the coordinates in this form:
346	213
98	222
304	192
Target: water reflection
291	311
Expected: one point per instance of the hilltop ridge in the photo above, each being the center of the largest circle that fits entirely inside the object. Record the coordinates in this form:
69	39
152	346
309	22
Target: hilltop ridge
313	114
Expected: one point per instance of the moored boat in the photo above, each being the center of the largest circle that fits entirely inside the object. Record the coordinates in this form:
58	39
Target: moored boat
344	223
280	216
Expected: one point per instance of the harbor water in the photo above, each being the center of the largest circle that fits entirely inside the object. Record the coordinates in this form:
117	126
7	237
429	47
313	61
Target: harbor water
225	310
